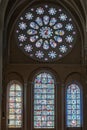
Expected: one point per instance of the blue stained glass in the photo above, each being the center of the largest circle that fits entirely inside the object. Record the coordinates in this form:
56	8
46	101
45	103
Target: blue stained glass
44	90
41	28
39	43
52	21
33	38
73	106
44	80
37	113
59	32
39	21
34	25
50	96
38	86
46	20
46	45
31	32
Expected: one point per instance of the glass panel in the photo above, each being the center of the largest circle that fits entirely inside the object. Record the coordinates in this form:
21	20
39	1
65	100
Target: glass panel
44	110
46	32
15	106
73	106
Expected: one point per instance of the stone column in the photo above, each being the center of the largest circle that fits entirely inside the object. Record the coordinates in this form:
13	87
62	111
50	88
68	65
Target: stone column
3	4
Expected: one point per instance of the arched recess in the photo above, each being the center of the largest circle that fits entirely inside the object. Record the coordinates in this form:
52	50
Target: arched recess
44	101
21	7
44	94
73	76
14	105
74	107
74	100
9	78
42	69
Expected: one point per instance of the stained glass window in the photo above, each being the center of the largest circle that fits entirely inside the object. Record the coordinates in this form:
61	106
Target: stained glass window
45	32
44	104
73	106
15	105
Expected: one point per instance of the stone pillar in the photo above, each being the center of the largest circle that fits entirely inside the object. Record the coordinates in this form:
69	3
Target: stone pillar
62	105
3	4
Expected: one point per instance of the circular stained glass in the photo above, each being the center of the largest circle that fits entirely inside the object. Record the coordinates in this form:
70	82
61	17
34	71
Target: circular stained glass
46	32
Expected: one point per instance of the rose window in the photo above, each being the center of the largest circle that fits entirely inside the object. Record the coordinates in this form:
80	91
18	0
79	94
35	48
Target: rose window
46	32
